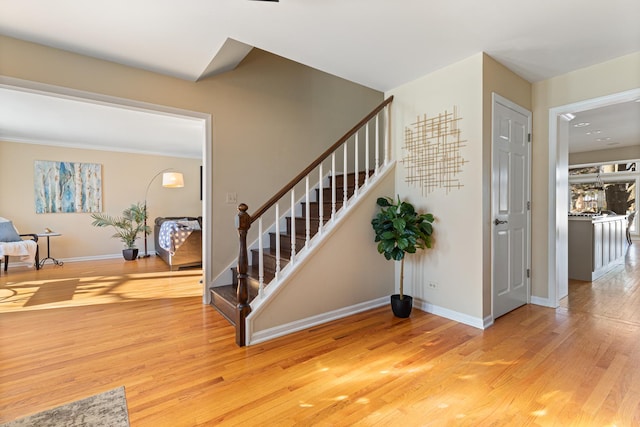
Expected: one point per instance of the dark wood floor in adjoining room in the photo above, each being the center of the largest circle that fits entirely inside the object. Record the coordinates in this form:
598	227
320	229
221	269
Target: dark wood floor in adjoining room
73	331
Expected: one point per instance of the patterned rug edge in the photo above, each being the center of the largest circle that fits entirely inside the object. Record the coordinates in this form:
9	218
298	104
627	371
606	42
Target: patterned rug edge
108	409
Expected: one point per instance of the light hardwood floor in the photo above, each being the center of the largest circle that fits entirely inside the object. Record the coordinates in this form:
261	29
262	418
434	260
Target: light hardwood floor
84	328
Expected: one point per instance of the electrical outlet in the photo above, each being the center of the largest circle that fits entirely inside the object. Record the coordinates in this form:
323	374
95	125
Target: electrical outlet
232	198
433	285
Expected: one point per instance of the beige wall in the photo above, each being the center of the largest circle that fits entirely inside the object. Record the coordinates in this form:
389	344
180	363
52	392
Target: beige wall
608	155
463	216
344	272
125	177
455	264
457	84
607	78
270	116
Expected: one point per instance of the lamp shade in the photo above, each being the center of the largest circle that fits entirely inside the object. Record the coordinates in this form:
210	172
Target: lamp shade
172	180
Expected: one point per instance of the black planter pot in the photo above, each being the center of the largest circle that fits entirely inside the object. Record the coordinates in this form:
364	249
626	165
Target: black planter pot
130	254
401	307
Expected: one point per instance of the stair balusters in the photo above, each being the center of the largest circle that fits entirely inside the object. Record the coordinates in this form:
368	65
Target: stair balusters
345	196
377	153
387	148
277	272
366	154
356	168
333	185
320	200
293	226
307	222
260	259
244	220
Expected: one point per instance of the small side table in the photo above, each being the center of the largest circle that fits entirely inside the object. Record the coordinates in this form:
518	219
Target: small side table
55	261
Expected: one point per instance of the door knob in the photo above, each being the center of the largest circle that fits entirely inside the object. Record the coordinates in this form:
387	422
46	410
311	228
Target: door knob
498	222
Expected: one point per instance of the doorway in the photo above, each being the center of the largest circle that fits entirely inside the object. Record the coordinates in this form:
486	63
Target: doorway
559	186
59	93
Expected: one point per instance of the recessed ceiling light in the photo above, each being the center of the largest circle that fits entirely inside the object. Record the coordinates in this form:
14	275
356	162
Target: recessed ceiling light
581	124
603	139
568	116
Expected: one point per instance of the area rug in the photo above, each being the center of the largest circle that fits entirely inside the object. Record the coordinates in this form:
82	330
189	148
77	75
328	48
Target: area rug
108	409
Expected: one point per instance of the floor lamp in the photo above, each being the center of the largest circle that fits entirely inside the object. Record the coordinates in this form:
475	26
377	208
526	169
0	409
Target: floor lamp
169	180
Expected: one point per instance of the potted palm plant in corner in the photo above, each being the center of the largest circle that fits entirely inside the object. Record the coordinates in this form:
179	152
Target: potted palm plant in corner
401	230
128	227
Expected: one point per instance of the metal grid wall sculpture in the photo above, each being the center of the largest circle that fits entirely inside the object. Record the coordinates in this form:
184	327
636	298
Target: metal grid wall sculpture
433	158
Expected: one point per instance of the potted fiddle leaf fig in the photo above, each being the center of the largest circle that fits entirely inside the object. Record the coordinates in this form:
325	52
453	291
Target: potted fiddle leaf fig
128	227
400	230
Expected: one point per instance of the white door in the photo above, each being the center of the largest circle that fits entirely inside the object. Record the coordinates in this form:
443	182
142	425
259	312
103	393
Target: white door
510	205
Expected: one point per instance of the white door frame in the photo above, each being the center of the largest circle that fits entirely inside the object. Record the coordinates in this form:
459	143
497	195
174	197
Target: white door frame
558	198
495	98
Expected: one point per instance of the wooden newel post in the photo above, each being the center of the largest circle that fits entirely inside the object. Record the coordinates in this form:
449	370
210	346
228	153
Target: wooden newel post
243	223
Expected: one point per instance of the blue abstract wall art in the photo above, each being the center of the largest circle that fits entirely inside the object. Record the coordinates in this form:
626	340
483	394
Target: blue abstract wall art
67	187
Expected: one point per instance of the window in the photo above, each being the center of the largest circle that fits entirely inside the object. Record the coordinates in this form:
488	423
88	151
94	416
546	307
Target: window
605	187
619	197
603	168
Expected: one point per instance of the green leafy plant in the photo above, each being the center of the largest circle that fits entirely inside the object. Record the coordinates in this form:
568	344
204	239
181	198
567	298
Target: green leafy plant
128	226
400	230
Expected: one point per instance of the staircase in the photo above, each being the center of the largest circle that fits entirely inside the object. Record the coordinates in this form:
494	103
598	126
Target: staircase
224	298
326	199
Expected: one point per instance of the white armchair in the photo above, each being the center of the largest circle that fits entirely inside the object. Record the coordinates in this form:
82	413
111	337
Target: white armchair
12	243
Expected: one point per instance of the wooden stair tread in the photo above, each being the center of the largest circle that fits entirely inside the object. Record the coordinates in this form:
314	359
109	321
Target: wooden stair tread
228	292
271	252
253	277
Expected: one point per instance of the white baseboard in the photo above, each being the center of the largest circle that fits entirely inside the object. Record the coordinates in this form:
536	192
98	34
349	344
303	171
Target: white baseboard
545	302
298	325
91	258
269	334
487	321
476	322
13	264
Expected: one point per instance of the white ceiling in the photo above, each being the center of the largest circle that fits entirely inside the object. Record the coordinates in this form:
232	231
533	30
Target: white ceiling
613	126
37	117
378	43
